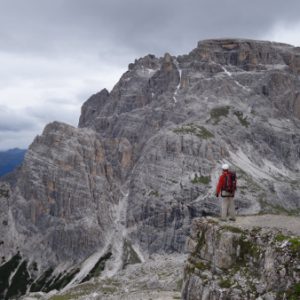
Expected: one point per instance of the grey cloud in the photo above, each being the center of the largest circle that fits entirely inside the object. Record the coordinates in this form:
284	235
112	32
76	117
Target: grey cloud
57	53
141	26
14	120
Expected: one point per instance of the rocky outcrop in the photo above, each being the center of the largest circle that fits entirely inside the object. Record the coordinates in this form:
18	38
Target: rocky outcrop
229	262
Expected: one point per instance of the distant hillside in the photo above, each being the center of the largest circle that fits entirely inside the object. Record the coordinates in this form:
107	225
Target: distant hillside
10	159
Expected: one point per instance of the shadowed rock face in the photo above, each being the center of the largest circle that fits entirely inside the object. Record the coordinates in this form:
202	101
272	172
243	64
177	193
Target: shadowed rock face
161	135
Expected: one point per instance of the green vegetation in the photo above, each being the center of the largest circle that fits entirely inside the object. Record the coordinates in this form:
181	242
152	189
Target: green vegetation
5	272
201	241
294	292
295	246
201	265
232	229
293	243
247	248
109	289
18	285
242	119
63	297
189	269
201	179
280	237
225	283
179	285
61	280
218	112
47	282
154	193
199	131
41	281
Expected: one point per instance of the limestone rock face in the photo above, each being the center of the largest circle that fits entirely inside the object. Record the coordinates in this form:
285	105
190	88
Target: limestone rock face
228	262
146	157
64	198
230	101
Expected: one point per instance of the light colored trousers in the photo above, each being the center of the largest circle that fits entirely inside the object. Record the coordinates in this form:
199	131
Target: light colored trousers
228	208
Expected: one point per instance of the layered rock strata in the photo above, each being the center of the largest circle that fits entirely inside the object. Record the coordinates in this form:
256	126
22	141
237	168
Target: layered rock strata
146	157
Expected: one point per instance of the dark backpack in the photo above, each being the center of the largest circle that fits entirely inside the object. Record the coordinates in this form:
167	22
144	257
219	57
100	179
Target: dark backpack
230	182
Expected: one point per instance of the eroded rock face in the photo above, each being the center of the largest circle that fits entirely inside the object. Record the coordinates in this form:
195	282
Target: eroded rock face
227	262
64	198
227	100
159	138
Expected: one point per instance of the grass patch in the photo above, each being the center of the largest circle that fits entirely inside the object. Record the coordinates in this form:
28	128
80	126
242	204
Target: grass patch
280	237
5	272
63	297
201	179
18	285
294	292
232	229
241	118
154	193
199	131
225	283
218	112
247	248
109	289
295	245
179	284
201	265
39	284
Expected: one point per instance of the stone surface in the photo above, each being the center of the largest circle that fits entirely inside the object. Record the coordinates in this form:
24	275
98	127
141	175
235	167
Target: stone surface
146	157
256	263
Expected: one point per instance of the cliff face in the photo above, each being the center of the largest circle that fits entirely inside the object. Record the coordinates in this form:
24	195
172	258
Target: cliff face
146	156
228	100
228	262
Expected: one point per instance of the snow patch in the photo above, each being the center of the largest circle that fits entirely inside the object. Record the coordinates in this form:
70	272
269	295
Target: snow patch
145	72
235	81
226	71
178	86
240	159
268	170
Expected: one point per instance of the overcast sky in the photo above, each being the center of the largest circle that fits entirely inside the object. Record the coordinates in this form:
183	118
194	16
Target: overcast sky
54	54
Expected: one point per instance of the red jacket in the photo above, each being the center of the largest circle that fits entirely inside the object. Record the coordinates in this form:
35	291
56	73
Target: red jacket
221	182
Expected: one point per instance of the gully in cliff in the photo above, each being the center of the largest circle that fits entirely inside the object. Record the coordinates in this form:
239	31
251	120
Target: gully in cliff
226	188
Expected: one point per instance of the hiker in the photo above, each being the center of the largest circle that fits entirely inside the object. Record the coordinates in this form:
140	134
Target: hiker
226	188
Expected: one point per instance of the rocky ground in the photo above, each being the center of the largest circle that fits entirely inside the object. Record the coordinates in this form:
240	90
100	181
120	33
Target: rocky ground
160	277
257	257
285	222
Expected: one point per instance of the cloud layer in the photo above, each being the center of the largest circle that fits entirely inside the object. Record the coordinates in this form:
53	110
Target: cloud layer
55	54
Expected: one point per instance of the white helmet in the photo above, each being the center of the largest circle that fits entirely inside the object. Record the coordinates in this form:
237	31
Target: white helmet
225	167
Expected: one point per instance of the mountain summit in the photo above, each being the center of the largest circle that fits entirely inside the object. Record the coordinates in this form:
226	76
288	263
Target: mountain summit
145	158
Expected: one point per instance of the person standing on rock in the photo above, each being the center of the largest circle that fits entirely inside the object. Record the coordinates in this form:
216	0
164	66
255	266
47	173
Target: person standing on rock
226	188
